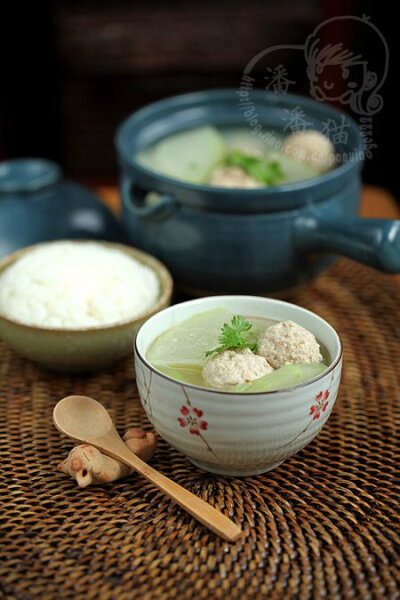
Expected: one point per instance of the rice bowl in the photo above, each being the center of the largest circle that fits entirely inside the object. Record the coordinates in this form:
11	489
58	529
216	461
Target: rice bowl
91	347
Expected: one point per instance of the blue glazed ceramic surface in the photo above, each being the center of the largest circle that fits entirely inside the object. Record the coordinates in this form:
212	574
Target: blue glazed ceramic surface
247	241
37	205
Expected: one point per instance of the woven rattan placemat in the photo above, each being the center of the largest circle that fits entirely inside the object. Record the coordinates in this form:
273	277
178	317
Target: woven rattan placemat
326	524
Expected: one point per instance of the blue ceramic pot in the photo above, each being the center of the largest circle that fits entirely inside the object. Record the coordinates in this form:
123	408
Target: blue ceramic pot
259	240
37	205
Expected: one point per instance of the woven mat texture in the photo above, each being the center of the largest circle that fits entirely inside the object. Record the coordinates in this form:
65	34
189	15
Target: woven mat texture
325	524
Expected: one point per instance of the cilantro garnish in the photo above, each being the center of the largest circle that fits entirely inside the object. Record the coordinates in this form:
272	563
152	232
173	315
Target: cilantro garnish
265	171
236	336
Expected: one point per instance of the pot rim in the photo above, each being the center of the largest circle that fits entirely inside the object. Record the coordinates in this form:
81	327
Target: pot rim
180	101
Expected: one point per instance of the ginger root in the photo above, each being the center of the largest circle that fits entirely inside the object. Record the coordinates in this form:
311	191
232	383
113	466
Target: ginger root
89	466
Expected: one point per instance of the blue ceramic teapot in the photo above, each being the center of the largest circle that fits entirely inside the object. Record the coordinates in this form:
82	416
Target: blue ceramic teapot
37	204
248	240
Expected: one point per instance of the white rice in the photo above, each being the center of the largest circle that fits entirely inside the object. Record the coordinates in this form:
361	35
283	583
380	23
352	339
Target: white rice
75	285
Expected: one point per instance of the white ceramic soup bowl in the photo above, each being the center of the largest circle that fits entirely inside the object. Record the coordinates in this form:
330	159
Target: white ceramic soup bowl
237	434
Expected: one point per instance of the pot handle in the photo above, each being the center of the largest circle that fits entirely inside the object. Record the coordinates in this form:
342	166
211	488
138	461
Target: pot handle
142	205
374	242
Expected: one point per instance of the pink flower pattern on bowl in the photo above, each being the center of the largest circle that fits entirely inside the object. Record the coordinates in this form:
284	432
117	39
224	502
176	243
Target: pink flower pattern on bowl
192	418
321	404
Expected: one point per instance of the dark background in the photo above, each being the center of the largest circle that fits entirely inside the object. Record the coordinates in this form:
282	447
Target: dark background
72	71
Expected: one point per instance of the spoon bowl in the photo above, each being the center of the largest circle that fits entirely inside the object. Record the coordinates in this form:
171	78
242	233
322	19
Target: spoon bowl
68	419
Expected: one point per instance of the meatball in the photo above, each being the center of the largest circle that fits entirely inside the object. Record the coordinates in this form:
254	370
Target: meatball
288	343
312	148
233	367
233	177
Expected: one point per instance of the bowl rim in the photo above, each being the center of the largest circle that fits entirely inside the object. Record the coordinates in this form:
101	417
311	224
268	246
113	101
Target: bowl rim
163	275
177	101
285	390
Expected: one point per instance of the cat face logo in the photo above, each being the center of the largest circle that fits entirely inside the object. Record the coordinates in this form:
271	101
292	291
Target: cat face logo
336	73
339	74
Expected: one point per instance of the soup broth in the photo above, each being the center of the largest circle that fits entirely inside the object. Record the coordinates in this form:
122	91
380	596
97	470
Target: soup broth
232	156
180	353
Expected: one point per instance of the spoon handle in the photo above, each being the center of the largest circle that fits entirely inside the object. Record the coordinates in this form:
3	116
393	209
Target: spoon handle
198	508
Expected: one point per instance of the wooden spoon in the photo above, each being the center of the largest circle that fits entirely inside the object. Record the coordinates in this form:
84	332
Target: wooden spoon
85	420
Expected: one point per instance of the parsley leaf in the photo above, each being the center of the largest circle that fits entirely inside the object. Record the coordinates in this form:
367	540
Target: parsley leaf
265	171
236	336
